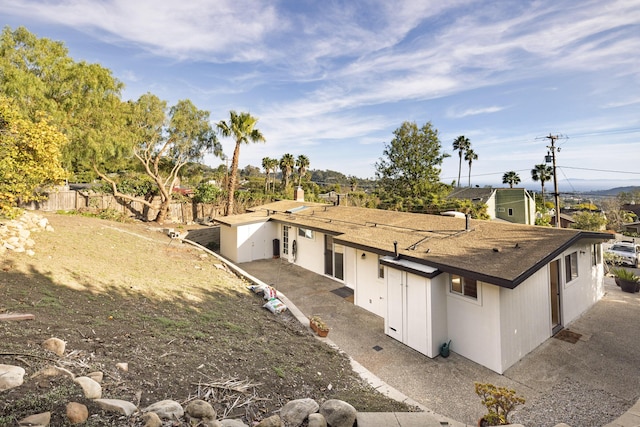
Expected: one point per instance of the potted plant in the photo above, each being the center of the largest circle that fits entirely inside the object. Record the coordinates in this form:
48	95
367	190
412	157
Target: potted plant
626	279
319	327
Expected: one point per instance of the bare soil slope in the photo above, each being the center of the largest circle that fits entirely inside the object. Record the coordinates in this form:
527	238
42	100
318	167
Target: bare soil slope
186	327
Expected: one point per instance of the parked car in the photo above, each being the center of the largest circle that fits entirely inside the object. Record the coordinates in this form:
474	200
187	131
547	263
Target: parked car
625	253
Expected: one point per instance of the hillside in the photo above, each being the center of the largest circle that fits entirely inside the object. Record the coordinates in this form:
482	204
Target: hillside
125	293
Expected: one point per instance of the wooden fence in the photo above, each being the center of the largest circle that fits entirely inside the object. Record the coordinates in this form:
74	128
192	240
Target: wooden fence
68	200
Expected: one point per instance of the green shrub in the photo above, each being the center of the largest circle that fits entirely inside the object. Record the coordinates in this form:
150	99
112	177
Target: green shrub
624	274
499	401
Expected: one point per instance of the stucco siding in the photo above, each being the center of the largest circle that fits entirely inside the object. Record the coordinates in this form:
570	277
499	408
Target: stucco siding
525	322
474	326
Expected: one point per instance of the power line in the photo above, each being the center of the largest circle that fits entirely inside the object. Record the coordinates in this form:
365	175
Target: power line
599	170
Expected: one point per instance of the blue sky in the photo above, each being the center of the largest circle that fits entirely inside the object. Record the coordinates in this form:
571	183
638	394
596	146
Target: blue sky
333	79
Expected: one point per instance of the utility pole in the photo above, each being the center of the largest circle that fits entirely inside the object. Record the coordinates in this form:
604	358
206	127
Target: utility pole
556	194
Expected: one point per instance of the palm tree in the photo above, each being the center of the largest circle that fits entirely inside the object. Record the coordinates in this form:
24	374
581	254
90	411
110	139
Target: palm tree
302	163
267	164
510	178
470	156
287	162
242	128
461	144
542	173
273	165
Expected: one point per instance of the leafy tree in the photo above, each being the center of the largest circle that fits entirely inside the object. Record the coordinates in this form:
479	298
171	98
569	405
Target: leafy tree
461	145
302	163
470	156
616	216
593	221
411	163
242	128
542	173
163	144
206	193
511	178
29	156
287	163
82	100
353	180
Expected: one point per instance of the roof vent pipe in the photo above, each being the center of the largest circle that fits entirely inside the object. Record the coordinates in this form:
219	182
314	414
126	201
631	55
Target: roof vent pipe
395	249
466	222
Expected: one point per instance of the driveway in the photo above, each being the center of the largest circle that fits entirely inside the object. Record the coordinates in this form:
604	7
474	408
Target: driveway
589	382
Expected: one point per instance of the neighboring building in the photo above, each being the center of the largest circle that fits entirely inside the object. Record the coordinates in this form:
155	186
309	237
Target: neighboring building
566	220
515	205
496	290
632	227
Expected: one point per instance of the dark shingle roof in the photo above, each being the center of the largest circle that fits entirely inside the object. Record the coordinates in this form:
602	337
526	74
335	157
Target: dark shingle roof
501	253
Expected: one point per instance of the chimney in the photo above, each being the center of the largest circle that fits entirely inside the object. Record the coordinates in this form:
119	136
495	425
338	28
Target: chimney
299	194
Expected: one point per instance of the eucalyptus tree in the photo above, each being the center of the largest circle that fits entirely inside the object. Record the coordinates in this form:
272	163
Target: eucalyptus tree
470	156
410	166
461	144
287	163
511	178
163	142
242	128
302	163
542	173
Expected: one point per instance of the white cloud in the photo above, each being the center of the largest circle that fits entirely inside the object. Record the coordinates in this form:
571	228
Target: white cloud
455	113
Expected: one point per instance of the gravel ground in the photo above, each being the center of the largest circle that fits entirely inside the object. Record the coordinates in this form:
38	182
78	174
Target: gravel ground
571	403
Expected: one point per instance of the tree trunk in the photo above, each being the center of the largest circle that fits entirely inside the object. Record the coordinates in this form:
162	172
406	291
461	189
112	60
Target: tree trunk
162	212
232	179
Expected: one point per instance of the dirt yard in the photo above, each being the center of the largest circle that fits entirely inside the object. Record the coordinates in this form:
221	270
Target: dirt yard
126	293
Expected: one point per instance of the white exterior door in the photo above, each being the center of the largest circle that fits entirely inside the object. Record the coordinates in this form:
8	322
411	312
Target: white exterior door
416	333
407	310
395	304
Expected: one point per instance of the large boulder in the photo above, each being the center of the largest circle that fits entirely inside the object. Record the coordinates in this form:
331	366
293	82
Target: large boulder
11	376
166	409
294	413
338	413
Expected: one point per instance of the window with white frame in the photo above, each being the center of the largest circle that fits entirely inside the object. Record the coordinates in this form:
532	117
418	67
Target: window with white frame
571	266
285	239
305	232
596	254
464	286
380	268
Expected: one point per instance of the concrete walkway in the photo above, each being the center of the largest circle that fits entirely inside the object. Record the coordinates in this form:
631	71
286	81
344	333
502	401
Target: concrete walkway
606	357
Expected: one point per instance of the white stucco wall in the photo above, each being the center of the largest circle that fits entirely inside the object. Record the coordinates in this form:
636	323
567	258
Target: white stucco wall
474	326
525	320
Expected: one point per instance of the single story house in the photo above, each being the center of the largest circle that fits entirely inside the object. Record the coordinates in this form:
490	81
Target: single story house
497	290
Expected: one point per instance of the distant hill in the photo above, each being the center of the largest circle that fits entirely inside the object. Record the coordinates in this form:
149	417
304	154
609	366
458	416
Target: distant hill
615	191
